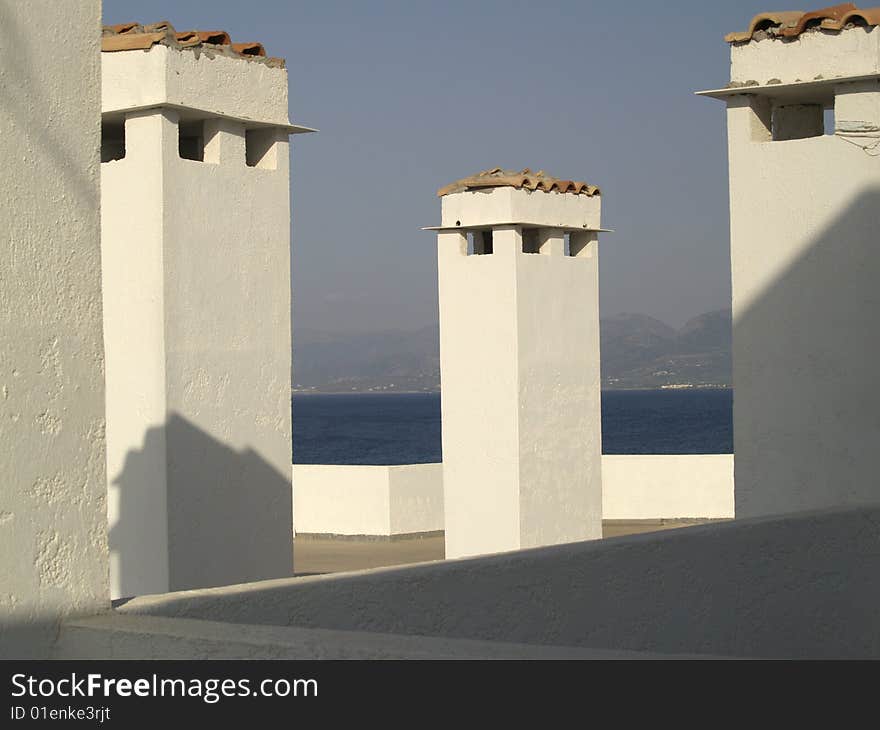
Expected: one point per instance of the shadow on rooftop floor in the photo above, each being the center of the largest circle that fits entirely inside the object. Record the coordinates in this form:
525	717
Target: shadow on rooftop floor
316	555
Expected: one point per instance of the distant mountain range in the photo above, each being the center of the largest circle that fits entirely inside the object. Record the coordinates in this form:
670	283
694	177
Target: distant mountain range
642	352
638	351
394	360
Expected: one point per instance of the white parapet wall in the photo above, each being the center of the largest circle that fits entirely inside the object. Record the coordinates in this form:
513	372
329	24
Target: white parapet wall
667	486
799	586
390	501
359	500
115	636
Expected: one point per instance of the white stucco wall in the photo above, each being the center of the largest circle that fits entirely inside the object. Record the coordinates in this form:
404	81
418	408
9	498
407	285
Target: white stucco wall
479	398
367	500
853	52
53	535
133	274
416	498
500	206
204	80
661	486
406	499
559	420
197	320
341	500
804	219
795	587
519	361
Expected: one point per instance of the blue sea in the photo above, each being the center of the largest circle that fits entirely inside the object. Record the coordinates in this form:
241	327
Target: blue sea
404	428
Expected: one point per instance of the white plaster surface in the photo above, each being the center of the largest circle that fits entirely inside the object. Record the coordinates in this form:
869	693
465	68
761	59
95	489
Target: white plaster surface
857	107
197	327
416	498
661	486
519	361
134	335
805	265
479	397
53	535
341	500
795	586
499	206
852	52
203	80
406	499
367	500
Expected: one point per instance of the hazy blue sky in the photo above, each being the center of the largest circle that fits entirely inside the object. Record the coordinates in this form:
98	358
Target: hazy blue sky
412	95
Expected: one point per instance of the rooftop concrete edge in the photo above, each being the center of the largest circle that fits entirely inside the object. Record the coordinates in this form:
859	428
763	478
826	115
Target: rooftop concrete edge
116	636
653	592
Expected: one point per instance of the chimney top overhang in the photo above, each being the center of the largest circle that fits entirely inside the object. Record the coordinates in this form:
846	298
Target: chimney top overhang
198	74
817	91
506	200
803	56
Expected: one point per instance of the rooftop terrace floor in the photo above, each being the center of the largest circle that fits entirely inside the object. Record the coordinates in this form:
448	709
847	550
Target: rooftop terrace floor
315	555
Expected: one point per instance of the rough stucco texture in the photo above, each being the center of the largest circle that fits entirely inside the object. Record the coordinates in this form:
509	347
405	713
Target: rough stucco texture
852	52
207	81
52	495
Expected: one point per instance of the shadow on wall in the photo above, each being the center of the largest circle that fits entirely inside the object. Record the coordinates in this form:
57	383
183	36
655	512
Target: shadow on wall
26	636
806	351
229	513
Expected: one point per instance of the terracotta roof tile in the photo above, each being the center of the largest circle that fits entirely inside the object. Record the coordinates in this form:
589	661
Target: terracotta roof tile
791	23
249	49
865	17
217	37
816	17
188	39
161	25
131	41
766	21
121	28
134	36
499	178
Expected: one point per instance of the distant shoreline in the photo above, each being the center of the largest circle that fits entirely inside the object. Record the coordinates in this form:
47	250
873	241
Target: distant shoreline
365	392
635	389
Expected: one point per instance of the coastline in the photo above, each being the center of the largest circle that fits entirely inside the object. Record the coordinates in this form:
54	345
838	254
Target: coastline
634	389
